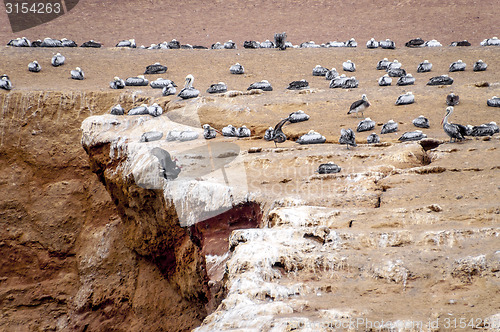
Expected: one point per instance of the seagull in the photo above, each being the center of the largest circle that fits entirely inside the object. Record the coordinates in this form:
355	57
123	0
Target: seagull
452	99
405	99
243	131
480	66
319	71
455	131
169	90
328	168
34	67
5	83
311	137
440	80
416	135
493	102
155	68
217	88
209	132
277	133
298	85
372	43
117	83
389	127
457	66
424	67
421	122
359	106
347	137
117	110
373	138
385	80
136	81
77	74
298	116
229	131
127	43
237	69
58	60
188	91
349	66
408	79
262	85
383	64
331	74
365	125
160	83
155	110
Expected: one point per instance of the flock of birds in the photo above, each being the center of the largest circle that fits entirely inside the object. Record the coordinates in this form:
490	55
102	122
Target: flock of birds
347	136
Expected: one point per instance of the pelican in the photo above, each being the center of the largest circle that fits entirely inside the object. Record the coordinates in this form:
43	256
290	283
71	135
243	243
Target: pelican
126	43
373	138
280	40
217	46
251	44
385	80
91	43
34	67
328	168
396	72
155	68
408	79
237	69
383	64
331	74
460	43
372	43
243	131
389	127
493	102
416	42
432	43
117	110
269	134
338	82
189	91
169	90
424	67
267	44
387	44
480	66
359	106
168	166
217	88
350	83
262	85
347	137
452	99
440	80
298	85
421	122
487	129
457	66
416	135
188	135
351	43
50	42
298	116
139	110
311	137
394	64
405	99
349	66
278	136
117	83
155	110
5	83
209	132
77	74
139	80
455	131
365	125
229	45
319	71
68	43
160	83
58	60
174	44
229	131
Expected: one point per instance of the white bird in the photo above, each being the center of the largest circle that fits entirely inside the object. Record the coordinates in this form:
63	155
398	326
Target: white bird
188	91
117	110
127	43
139	80
298	116
493	102
421	122
432	43
169	90
387	44
209	132
155	110
405	99
237	69
263	85
408	79
338	82
220	87
269	134
349	66
365	125
480	66
331	74
424	67
160	83
5	83
229	131
311	137
77	74
139	110
243	131
319	71
457	66
383	64
58	60
385	80
416	135
372	43
389	127
117	83
34	67
229	45
394	64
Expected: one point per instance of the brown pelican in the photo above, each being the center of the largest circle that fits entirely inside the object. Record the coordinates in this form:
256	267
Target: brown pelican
209	132
188	91
416	135
347	137
457	66
217	88
487	129
160	83
385	80
396	72
365	125
328	168
455	131
389	127
117	83
237	69
174	44
319	71
311	137
251	44
493	102
77	74
349	66
139	80
424	67
407	79
338	82
421	122
34	67
373	138
155	68
372	43
407	98
383	64
58	60
480	66
262	85
298	85
440	80
298	116
359	106
350	83
452	99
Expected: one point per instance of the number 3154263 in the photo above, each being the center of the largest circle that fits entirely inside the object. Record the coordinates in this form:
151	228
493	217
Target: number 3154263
33	8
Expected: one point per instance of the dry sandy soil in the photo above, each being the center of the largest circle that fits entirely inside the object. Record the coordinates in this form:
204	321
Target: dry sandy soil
54	211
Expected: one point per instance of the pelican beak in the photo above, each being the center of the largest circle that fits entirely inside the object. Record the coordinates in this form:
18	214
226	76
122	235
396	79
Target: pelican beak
442	120
218	131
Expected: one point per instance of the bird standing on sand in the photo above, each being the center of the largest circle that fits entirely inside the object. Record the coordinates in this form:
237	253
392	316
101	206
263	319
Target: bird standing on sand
454	130
188	91
452	99
347	137
359	106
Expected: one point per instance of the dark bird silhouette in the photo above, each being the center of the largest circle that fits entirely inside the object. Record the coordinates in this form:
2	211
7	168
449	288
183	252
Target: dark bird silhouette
347	137
155	68
359	106
278	134
298	85
169	169
328	168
